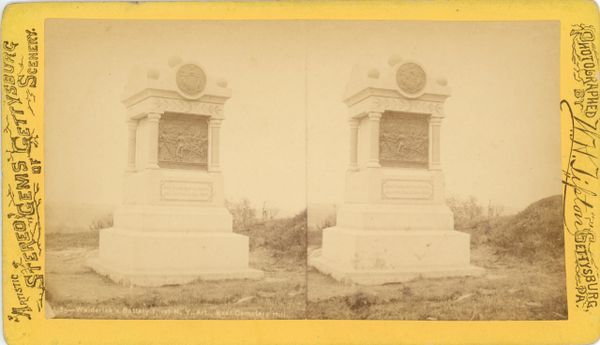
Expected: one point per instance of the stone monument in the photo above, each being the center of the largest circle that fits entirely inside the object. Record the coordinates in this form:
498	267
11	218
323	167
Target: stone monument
394	224
172	226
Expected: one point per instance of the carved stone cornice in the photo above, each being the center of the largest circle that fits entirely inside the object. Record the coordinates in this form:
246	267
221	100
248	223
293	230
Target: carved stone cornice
171	105
382	104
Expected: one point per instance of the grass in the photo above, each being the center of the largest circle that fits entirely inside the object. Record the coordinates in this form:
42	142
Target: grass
59	241
525	277
75	291
80	293
509	291
534	234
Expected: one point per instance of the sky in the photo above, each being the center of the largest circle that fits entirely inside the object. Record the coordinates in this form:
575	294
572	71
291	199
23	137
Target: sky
285	135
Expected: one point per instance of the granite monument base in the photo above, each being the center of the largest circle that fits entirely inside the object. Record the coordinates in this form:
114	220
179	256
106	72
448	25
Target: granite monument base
166	258
378	244
161	245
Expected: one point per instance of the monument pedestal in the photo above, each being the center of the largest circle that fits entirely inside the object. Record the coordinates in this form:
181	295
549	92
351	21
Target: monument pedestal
172	226
375	244
373	257
155	258
394	225
172	242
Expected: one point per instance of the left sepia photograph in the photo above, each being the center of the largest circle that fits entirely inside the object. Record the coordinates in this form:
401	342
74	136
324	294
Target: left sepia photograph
175	170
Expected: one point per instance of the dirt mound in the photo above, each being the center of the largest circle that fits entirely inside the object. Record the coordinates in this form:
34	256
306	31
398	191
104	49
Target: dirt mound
536	233
282	237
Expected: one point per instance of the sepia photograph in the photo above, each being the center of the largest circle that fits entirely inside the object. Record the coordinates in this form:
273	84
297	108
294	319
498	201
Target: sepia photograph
175	180
434	172
385	170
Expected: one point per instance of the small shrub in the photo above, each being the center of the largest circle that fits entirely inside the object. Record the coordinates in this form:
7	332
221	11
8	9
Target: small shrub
465	211
103	222
243	214
328	222
288	237
283	237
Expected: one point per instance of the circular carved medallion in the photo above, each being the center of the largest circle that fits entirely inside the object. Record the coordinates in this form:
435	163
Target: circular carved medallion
190	79
410	78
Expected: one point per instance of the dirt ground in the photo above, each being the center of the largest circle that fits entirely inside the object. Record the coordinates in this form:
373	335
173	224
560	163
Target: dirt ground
75	291
524	280
509	290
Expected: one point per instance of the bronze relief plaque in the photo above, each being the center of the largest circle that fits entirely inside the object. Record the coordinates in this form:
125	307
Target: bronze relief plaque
183	141
404	140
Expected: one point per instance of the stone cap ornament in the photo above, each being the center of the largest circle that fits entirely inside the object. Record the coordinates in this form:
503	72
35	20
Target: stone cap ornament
179	86
176	80
403	79
411	78
190	79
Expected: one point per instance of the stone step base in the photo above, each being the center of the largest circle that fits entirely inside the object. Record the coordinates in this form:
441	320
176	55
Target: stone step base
362	249
398	275
171	257
154	279
393	256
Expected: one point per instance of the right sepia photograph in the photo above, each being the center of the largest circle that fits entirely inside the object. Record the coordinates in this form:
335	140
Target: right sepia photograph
434	171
